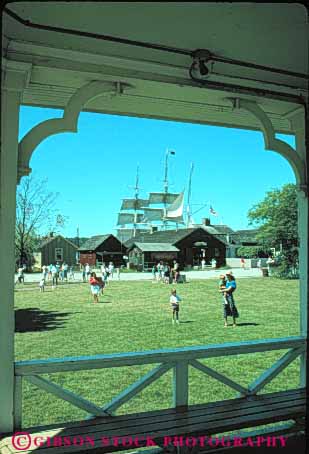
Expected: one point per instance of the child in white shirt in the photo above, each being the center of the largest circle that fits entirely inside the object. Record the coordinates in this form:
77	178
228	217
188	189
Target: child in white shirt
42	284
174	301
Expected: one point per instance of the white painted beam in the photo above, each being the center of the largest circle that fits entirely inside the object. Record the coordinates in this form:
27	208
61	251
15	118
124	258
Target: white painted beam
298	121
274	370
35	367
218	376
14	79
18	403
137	387
181	384
66	395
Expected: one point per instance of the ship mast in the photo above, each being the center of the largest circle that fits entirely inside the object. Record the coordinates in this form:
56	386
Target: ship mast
136	194
166	182
189	212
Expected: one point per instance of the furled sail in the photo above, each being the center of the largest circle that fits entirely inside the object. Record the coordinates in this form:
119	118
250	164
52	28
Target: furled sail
162	197
134	204
124	234
175	211
153	214
130	218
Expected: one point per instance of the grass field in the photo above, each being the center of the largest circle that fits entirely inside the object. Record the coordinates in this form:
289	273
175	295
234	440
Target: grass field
134	316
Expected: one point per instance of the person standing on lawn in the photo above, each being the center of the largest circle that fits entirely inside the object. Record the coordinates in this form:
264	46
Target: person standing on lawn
83	272
88	270
222	289
167	273
154	272
42	284
20	275
174	301
229	309
111	269
54	273
175	271
44	272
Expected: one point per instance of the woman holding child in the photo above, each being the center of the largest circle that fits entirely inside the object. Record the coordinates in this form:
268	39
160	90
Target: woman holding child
227	286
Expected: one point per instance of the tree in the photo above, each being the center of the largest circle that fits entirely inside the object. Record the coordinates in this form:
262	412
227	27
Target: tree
276	219
36	214
252	251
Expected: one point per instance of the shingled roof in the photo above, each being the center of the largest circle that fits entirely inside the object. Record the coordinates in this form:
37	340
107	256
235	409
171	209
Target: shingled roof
223	229
161	236
156	247
52	238
246	236
171	237
94	242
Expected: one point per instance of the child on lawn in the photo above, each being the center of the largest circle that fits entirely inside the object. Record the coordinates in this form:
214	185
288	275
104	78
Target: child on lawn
95	286
222	286
42	284
174	301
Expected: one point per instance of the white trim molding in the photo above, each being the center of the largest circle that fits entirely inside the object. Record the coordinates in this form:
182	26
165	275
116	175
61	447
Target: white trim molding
271	143
15	75
68	122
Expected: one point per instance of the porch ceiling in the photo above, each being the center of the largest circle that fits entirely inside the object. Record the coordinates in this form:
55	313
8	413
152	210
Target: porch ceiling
265	34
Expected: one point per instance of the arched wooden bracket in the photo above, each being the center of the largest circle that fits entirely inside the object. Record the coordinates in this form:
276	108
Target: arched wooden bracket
68	122
271	143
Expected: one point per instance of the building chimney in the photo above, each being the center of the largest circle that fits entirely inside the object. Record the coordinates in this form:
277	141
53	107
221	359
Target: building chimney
206	221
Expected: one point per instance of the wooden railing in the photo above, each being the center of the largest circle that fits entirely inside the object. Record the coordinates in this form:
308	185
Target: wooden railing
178	359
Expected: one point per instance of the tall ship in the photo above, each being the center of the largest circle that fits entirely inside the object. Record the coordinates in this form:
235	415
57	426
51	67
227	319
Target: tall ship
160	211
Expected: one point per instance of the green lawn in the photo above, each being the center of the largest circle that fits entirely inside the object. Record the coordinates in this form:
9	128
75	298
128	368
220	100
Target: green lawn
134	316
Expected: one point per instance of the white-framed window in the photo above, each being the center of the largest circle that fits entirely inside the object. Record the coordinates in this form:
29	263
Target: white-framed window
59	253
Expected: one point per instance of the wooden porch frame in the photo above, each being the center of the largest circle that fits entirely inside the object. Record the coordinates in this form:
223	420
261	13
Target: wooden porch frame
15	163
177	359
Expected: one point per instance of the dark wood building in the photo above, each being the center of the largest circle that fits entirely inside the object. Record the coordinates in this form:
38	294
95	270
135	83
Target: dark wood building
144	255
232	238
57	249
102	248
193	245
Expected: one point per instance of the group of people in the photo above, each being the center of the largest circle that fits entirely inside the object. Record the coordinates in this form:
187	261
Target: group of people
165	273
55	271
161	272
107	272
64	272
213	263
227	287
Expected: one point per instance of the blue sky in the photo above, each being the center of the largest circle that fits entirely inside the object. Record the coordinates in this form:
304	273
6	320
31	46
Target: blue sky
95	168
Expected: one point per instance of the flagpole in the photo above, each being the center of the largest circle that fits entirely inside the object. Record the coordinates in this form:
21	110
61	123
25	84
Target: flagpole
189	196
165	185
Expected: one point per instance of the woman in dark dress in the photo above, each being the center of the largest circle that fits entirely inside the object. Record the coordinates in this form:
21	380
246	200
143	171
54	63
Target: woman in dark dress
229	306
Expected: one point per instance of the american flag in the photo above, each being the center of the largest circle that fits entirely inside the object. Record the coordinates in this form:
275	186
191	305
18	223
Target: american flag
212	211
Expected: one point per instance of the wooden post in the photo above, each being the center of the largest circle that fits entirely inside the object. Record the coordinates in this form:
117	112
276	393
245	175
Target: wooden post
18	403
180	385
8	179
298	121
13	82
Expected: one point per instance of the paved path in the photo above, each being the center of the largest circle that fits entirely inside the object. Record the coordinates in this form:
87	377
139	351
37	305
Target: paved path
190	275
